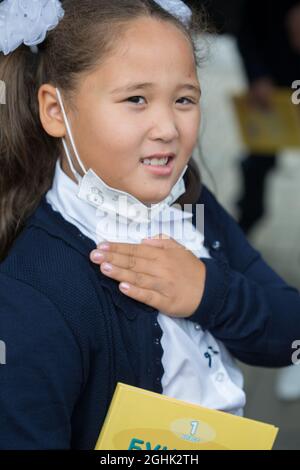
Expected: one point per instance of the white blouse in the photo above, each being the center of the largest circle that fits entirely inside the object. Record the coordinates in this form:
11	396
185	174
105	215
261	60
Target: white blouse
197	368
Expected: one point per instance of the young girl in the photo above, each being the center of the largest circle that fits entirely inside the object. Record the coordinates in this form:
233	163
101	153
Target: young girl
100	121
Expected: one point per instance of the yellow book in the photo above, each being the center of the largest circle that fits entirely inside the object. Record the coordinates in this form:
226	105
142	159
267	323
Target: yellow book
269	131
141	420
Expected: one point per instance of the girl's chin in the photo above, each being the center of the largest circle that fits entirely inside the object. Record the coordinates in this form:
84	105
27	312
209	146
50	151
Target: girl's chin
153	201
155	197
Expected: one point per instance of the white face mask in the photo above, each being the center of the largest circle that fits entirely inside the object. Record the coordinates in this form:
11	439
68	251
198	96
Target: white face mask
96	192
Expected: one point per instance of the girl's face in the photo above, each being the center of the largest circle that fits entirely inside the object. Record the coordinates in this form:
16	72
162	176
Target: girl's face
114	127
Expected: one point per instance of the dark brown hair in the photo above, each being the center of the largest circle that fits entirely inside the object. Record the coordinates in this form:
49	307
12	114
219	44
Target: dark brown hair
86	35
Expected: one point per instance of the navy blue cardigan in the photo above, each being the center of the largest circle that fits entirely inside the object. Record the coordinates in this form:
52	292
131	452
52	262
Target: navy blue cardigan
71	335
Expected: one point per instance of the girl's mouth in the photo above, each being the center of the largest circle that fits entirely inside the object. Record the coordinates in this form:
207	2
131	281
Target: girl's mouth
159	166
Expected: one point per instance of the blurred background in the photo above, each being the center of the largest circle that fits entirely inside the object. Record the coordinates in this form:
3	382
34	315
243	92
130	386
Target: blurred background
249	155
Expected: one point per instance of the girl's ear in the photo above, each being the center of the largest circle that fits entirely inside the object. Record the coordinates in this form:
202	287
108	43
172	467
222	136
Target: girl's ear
50	112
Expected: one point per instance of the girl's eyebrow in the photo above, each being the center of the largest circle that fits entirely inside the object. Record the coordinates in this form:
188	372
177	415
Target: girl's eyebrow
135	86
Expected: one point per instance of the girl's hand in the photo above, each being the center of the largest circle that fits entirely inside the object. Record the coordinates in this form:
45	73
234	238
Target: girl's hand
158	272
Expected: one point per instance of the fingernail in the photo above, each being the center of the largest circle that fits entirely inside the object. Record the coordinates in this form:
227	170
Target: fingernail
97	256
107	267
124	286
104	247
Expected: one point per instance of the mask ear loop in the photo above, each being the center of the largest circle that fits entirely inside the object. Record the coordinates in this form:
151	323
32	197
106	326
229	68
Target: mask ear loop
75	173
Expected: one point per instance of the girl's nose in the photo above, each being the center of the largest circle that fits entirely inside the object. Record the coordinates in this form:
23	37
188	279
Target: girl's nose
165	130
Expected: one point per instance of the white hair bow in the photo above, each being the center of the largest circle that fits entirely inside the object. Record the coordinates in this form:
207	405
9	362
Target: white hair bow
178	9
27	21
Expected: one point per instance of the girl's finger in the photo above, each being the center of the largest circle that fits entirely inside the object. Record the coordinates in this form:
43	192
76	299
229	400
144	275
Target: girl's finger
145	296
140	265
133	249
141	280
162	241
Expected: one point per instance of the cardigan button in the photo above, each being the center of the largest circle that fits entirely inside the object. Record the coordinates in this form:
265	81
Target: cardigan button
156	341
157	379
197	326
216	245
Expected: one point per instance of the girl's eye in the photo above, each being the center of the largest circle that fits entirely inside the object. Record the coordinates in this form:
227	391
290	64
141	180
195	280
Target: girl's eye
137	97
134	97
189	100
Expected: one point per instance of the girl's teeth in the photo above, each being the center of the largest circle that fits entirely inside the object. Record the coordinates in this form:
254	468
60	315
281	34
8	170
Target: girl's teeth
155	161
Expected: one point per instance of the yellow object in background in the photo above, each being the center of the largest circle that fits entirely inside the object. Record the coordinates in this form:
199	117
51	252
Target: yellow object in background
141	420
272	130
